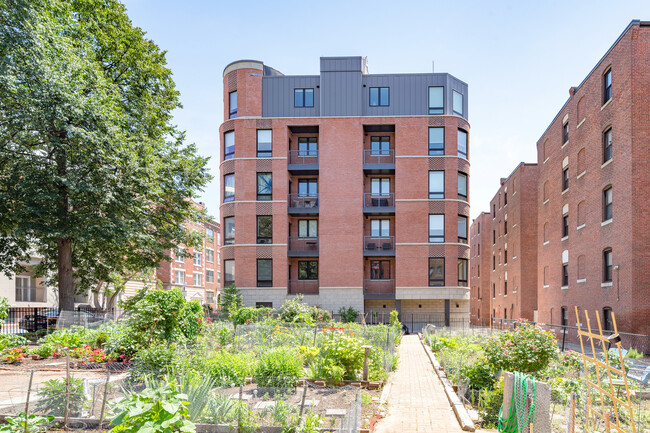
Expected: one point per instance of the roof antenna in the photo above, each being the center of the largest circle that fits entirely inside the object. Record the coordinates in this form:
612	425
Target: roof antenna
433	66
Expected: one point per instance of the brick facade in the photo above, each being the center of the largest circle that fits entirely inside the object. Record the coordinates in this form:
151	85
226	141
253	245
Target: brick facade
480	270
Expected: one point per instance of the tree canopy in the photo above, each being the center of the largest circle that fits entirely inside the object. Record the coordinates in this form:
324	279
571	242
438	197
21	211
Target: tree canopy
94	176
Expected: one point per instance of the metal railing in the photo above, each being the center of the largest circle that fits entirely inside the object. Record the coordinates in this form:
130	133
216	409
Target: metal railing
379	156
301	201
303	157
379	287
379	243
299	244
378	200
306	287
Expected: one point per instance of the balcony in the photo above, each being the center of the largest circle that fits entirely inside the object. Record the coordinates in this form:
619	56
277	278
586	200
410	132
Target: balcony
379	204
303	204
379	161
302	247
305	287
303	161
378	246
379	289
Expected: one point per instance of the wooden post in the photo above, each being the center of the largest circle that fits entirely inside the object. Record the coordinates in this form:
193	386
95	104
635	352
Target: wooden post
101	414
66	411
571	425
302	400
366	349
241	408
29	390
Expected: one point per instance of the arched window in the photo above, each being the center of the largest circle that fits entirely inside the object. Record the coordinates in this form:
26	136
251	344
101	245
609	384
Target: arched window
607	319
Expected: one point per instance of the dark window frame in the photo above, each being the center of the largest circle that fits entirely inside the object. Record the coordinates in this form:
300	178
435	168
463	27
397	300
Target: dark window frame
436	281
607	85
464	196
232	114
309	182
264	196
437	195
437	239
436	149
268	282
380	267
308	225
565	274
565	132
565	225
436	109
607	145
453	104
607	319
607	207
462	133
307	141
380	101
465	263
226	239
226	153
564	316
264	239
565	178
461	239
303	99
381	140
264	153
307	266
228	197
607	267
226	281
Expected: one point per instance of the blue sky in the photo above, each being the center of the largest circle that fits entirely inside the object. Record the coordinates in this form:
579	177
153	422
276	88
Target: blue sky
519	58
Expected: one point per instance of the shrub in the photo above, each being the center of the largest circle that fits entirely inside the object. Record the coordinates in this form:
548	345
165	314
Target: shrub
52	397
634	354
348	314
308	353
396	325
527	349
33	423
121	340
44	351
156	360
71	337
230	300
341	348
247	315
229	368
490	406
327	369
296	311
480	375
4	306
280	367
439	343
12	340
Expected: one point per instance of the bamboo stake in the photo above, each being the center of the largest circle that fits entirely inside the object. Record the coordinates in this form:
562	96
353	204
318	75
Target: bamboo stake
29	390
101	414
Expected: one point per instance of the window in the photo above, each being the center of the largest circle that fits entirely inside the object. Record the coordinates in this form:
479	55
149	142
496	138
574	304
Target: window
494	211
380	228
436	100
607	265
436	228
218	238
307	187
436	272
307	228
24	291
462	188
565	274
607	145
494	291
264	272
303	98
462	143
380	186
505	227
380	270
607	319
505	288
607	85
436	141
218	256
209	297
505	198
229	145
229	230
458	103
198	279
209	256
436	184
228	188
264	229
179	277
307	146
209	276
198	258
232	104
462	229
565	178
494	237
264	143
264	186
308	270
209	235
379	97
218	277
564	316
607	203
505	256
180	255
565	225
229	272
380	145
565	132
462	272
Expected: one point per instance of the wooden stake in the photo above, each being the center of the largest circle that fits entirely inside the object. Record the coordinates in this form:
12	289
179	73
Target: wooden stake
29	390
302	401
101	414
66	411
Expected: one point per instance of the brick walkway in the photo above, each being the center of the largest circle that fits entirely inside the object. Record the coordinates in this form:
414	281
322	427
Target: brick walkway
417	401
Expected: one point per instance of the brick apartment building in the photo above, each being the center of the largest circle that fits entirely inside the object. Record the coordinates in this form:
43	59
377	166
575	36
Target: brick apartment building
196	271
346	187
593	200
480	247
594	193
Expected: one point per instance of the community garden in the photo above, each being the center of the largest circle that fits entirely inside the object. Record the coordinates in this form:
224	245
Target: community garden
167	366
474	361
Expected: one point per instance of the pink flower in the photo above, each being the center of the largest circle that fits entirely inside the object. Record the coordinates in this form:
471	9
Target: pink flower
209	319
505	353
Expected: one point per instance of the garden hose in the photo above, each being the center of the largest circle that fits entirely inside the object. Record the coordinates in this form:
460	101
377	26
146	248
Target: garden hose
517	418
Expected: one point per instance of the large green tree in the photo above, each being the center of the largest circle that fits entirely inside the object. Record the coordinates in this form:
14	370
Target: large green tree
94	177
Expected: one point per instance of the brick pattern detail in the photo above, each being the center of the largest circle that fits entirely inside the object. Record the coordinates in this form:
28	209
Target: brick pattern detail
263	123
463	252
227	252
263	165
436	121
436	163
264	208
463	166
264	252
436	206
436	250
228	125
232	82
462	123
228	167
463	209
227	209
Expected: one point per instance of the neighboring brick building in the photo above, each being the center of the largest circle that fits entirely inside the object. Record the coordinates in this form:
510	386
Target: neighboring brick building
197	270
347	187
513	246
594	193
479	280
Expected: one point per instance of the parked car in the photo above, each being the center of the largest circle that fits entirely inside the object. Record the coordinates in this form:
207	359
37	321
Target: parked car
42	321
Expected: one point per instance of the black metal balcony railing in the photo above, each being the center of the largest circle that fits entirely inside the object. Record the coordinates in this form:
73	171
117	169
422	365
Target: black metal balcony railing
379	156
384	200
379	287
303	157
298	244
306	287
378	243
301	201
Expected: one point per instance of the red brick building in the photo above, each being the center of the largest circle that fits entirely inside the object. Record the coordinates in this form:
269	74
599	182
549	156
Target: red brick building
346	187
479	281
594	193
196	271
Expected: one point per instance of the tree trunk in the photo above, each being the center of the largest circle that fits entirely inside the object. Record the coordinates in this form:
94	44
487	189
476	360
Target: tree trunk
66	278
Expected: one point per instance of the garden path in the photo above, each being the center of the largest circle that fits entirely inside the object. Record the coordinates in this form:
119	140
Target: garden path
417	402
